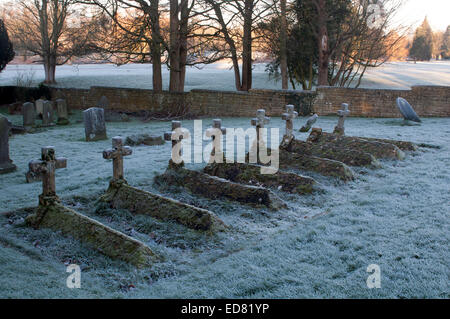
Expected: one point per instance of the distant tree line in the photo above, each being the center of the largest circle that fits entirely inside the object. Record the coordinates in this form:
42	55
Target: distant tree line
428	44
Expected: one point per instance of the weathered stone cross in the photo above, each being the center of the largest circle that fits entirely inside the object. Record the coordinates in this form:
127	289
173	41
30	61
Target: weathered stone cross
289	117
116	153
46	167
342	113
176	136
214	132
259	121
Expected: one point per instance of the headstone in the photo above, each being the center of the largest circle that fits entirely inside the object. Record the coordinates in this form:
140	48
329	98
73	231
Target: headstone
259	121
39	104
289	117
407	111
47	114
46	168
29	115
6	165
117	153
309	123
342	113
216	132
176	136
144	139
63	112
94	124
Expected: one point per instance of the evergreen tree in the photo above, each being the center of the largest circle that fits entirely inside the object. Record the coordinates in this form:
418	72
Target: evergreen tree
6	47
445	48
422	47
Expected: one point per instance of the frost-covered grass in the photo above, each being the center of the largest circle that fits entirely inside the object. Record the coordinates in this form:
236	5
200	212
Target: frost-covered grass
396	217
218	76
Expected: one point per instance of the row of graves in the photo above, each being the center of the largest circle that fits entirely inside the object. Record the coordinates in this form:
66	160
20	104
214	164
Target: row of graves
331	154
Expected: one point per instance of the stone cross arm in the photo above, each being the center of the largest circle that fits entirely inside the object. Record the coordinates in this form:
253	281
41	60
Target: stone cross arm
344	111
290	113
261	119
116	153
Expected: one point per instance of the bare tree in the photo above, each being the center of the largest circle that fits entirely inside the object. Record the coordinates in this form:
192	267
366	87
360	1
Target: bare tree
235	23
283	46
41	27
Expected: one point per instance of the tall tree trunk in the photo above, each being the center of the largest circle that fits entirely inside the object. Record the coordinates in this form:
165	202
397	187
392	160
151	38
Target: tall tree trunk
184	13
247	47
174	47
155	46
324	55
283	46
50	69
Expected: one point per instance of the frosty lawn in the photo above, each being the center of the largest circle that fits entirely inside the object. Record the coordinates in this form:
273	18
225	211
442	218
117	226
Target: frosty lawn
396	217
218	76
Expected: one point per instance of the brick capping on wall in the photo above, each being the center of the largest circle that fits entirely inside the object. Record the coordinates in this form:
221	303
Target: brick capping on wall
428	101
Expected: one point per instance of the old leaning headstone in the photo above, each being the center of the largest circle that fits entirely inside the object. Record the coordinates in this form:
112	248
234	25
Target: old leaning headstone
342	113
47	114
407	111
94	124
63	112
6	165
29	115
289	117
309	123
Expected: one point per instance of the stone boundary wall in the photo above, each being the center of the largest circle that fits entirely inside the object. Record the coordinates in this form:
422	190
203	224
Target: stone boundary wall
428	101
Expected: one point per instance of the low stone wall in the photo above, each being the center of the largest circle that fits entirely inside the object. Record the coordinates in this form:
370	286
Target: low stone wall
428	101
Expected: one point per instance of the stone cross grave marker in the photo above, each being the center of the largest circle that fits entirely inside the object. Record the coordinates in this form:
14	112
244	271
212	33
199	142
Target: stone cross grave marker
116	153
289	117
94	124
176	136
215	132
63	112
46	167
47	114
259	121
342	113
29	115
39	107
6	165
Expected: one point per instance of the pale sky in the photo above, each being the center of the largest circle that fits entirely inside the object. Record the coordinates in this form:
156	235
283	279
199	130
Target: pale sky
413	12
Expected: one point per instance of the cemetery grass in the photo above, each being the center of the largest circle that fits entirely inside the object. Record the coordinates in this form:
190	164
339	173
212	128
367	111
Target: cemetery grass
319	247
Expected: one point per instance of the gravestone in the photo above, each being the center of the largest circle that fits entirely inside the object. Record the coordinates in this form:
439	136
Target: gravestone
51	214
407	111
116	154
63	112
94	124
144	139
289	117
216	132
29	115
46	168
342	113
39	105
6	165
176	136
309	123
259	121
47	114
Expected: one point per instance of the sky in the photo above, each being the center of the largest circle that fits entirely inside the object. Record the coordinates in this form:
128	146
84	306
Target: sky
413	12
